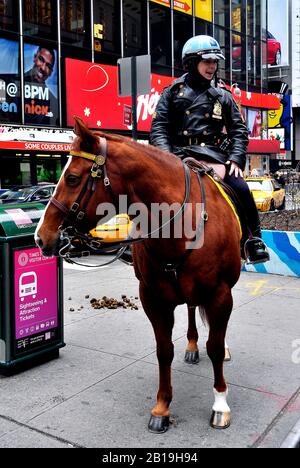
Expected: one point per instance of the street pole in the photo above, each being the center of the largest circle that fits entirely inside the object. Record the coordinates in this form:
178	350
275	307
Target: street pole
134	97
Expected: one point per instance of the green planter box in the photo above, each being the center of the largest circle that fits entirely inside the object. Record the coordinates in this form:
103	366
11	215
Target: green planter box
31	293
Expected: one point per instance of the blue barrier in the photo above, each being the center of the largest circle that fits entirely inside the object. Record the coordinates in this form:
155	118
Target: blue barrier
284	248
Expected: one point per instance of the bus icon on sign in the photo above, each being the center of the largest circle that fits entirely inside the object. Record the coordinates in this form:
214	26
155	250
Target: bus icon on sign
28	285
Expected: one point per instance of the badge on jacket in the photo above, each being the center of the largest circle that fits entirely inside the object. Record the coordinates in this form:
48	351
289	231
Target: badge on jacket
217	112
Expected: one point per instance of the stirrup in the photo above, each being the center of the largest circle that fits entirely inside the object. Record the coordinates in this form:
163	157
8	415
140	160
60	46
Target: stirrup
256	251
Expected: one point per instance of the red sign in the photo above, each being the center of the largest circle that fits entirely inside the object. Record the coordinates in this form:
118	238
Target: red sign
35	146
256	100
264	146
93	96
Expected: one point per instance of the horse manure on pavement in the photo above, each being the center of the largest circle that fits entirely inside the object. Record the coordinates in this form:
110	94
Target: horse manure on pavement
113	304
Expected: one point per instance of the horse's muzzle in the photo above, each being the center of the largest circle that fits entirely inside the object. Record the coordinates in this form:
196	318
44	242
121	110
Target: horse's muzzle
52	250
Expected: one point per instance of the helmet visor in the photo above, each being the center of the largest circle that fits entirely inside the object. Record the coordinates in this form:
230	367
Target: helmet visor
212	56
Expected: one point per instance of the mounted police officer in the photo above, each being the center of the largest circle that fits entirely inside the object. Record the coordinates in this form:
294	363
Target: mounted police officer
190	119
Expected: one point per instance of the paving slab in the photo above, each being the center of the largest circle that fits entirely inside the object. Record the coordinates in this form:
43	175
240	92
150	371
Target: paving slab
37	390
115	413
25	437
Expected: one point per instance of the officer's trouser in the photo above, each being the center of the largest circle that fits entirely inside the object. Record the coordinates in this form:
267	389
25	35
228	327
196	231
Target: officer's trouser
247	201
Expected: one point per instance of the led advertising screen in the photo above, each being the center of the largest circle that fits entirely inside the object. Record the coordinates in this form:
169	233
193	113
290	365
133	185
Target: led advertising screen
40	85
93	96
10	102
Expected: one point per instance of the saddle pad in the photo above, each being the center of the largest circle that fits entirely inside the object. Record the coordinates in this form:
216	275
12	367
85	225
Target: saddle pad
224	195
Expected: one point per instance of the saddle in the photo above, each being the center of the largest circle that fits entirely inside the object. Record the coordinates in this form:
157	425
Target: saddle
218	173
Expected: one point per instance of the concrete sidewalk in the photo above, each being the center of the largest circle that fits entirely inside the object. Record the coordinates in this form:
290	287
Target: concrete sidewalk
100	391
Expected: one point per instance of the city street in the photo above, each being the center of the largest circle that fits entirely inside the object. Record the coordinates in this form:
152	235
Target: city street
100	391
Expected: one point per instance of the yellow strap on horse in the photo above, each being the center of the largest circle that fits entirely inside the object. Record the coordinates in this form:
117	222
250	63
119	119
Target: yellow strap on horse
224	195
97	159
83	154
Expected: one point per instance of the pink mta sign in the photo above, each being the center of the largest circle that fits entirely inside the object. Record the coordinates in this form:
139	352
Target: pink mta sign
36	302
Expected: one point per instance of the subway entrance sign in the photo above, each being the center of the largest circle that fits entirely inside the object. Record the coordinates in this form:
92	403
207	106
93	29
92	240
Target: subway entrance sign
31	298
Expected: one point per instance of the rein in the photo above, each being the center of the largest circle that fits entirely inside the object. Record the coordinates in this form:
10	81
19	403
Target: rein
70	229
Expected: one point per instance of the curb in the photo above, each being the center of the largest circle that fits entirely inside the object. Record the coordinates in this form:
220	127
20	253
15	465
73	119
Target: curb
293	438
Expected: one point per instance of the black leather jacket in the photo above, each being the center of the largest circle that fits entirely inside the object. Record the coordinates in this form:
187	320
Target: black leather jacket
191	123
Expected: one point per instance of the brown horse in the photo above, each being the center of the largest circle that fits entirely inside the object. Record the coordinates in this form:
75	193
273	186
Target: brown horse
101	168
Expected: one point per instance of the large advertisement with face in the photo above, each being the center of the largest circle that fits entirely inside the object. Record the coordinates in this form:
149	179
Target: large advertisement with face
10	103
93	96
278	33
40	85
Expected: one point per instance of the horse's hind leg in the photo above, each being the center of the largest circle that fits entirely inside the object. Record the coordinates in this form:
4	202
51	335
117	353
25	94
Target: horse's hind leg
161	316
218	312
192	350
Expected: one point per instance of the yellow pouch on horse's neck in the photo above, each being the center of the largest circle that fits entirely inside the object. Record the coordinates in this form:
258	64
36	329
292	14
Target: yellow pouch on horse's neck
224	195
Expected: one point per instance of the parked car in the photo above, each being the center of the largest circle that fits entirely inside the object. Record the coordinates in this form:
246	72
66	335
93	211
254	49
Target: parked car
273	54
267	193
38	193
274	50
115	230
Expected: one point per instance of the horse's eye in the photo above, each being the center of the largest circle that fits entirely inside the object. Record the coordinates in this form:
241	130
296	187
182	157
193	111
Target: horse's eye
72	180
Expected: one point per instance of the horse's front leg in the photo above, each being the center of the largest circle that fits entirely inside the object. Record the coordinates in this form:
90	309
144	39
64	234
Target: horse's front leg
161	316
192	350
218	312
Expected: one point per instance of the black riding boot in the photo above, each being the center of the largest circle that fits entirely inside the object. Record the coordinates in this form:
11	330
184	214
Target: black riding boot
254	249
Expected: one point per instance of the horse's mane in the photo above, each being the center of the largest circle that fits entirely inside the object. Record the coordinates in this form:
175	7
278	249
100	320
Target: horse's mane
150	150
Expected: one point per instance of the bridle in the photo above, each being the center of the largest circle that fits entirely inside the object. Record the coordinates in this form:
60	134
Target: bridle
70	229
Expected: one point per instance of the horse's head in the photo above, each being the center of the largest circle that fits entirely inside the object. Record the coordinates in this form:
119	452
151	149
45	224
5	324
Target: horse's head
78	193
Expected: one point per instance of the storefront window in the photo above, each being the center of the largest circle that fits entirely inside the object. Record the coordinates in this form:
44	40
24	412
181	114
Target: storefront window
250	18
75	23
221	13
183	31
203	27
254	64
40	18
107	30
223	38
264	71
14	171
237	15
262	12
160	37
239	59
48	169
9	15
135	27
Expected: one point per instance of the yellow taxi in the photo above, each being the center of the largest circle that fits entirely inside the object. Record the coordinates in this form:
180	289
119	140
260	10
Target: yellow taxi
115	230
267	193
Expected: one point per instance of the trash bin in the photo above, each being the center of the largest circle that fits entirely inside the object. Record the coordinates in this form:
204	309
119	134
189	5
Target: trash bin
31	293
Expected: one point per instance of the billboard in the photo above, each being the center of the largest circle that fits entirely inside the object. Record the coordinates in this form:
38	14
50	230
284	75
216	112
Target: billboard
94	97
40	85
10	102
278	33
204	9
280	123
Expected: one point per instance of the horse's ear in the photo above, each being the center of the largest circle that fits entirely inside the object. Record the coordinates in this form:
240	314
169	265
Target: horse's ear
81	130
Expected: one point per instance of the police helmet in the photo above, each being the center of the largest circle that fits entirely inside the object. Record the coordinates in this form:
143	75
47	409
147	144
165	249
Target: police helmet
201	48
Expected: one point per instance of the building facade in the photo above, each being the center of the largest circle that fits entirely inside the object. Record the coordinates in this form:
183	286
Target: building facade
59	59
